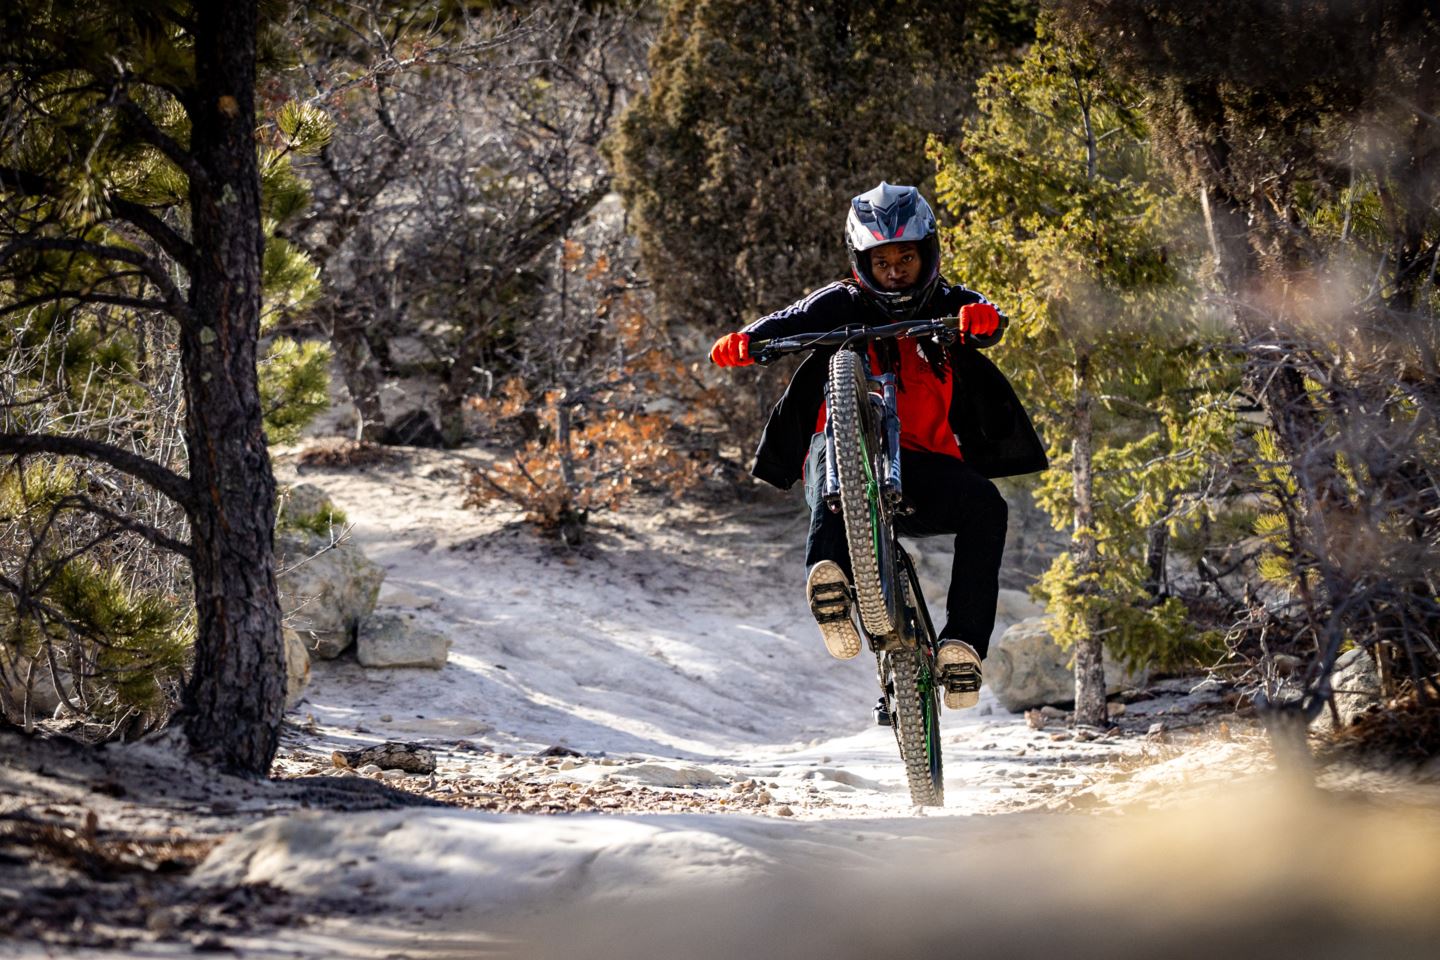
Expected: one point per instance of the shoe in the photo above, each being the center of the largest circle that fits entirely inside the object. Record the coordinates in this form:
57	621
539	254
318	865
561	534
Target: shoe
957	666
828	591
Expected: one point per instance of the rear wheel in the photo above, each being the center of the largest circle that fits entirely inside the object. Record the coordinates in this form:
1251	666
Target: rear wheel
859	458
916	720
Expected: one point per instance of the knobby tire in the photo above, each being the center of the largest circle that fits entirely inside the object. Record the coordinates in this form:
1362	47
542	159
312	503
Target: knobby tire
862	506
916	723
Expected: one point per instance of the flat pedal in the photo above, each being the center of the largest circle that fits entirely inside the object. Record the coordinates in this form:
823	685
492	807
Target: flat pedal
960	677
830	602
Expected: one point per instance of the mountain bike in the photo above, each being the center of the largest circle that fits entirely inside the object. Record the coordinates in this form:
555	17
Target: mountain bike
863	483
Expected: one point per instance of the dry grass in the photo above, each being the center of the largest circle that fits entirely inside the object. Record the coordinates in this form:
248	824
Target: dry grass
339	453
1405	729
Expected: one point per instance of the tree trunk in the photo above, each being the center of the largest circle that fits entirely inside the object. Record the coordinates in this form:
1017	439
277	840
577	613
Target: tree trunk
1157	549
361	373
1089	662
235	697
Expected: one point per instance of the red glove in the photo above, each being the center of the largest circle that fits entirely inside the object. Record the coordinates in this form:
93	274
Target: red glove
979	319
732	350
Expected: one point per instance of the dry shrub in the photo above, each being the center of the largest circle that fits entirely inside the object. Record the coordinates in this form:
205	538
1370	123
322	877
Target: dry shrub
583	465
334	452
1405	729
605	402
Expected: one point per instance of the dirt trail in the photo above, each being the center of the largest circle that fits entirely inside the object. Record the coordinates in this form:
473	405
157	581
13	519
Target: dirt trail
666	678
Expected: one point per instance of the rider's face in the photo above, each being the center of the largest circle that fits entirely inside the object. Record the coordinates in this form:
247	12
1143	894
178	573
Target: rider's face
895	266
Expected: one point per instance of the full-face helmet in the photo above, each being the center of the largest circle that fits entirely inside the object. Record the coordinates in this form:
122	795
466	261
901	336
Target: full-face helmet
891	214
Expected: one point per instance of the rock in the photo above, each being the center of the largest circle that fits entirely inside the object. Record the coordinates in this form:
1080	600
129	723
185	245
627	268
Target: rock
1356	685
326	590
297	667
1115	710
396	640
1025	668
415	429
559	751
784	812
302	500
1287	664
1013	606
387	756
44	700
934	556
660	775
393	595
1156	730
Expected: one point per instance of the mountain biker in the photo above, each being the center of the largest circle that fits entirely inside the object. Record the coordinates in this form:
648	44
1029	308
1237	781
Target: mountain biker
961	423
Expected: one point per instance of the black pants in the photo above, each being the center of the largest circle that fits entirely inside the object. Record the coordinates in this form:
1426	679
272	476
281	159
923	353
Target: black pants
949	497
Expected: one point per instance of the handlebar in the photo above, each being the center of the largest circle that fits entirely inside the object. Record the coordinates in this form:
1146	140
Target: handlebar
766	351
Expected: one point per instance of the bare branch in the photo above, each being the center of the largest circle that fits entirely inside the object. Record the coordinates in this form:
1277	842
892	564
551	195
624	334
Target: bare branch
171	484
175	303
137	215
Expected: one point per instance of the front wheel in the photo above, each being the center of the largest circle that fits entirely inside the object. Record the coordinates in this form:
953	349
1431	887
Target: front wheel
859	461
916	720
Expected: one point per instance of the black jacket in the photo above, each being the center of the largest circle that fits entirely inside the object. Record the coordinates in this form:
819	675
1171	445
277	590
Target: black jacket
995	434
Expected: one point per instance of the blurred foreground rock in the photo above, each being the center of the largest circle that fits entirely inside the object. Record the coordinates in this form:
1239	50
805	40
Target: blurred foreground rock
1026	668
396	640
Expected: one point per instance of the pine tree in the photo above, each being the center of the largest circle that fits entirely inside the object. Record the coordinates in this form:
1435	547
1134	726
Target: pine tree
1063	221
1307	132
130	189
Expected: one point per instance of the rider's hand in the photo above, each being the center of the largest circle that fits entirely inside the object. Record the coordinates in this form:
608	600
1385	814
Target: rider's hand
979	319
732	350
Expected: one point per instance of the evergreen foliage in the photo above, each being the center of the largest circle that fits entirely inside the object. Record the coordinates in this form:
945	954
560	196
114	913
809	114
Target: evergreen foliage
761	121
1308	133
1066	221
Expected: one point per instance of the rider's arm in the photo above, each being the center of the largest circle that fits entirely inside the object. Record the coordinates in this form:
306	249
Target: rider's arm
823	310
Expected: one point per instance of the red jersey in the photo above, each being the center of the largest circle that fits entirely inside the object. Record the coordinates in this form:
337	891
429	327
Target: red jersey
923	402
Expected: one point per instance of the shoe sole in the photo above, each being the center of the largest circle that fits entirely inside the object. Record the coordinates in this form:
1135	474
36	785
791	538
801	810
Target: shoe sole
951	660
830	605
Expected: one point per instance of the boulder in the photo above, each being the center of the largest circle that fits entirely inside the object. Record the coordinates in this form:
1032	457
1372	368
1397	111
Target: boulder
933	559
1356	685
302	500
396	640
326	590
297	667
1026	668
1013	606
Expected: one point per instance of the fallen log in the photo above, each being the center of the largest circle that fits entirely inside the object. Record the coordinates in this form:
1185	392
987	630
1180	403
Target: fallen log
388	756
